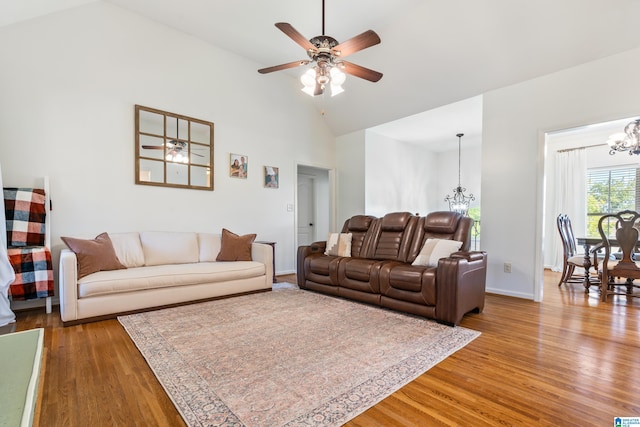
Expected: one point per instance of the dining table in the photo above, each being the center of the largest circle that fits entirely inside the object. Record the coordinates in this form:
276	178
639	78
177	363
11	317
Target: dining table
587	243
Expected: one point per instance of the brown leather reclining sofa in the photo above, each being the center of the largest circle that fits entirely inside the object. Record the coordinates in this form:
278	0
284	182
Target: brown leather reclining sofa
379	270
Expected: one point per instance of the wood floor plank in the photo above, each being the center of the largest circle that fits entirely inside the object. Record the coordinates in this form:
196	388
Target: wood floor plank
570	360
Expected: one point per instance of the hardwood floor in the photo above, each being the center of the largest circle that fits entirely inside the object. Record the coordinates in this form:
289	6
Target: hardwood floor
570	360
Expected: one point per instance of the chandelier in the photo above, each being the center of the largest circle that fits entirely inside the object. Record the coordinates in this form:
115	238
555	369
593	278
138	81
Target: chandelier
629	140
459	202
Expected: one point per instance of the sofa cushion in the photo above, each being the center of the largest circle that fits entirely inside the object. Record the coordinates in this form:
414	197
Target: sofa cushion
359	222
93	255
415	284
396	221
434	249
164	247
234	247
162	276
209	245
442	222
339	244
128	249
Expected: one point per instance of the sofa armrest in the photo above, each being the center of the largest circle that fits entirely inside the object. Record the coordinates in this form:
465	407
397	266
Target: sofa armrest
318	247
68	285
460	285
303	252
469	255
263	253
315	248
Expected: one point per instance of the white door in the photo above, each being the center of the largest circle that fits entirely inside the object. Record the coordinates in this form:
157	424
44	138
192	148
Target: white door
306	209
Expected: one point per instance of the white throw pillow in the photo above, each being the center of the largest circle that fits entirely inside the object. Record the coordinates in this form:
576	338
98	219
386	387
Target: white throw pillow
128	249
434	249
339	244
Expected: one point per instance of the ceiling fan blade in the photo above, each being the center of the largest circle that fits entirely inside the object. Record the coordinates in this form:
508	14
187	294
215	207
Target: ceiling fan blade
362	72
153	147
295	35
283	66
362	41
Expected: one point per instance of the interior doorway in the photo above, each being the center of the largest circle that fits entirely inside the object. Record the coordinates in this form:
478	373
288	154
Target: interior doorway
591	139
306	210
314	202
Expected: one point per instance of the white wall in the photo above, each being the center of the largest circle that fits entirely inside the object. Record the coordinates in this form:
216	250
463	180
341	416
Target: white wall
350	176
399	176
515	120
409	177
69	82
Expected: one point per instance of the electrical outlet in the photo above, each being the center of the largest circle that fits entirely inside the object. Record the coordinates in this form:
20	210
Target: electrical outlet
507	267
290	207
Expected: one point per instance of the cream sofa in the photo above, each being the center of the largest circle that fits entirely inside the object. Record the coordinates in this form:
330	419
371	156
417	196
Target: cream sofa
163	268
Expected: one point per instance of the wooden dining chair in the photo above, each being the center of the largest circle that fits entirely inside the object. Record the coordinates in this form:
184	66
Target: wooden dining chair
571	258
619	275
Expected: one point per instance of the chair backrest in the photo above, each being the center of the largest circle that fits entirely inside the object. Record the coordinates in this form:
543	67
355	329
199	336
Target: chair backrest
626	235
567	236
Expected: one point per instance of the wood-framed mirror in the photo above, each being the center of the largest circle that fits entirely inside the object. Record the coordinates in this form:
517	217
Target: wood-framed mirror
173	150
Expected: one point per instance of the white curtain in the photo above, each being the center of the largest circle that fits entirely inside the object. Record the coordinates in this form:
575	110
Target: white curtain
570	197
7	275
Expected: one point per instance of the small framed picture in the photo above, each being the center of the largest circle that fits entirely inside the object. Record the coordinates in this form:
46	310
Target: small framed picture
271	177
239	165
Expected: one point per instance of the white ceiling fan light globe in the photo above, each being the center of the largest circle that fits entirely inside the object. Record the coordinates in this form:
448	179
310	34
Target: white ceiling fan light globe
308	79
336	89
308	90
337	76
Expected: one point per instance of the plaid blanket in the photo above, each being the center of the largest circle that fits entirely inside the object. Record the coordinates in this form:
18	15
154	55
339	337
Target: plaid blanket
34	273
25	216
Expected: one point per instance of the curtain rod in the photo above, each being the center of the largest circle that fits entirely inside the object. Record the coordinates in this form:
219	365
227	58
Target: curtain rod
578	148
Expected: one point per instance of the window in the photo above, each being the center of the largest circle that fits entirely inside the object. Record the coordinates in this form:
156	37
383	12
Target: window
610	191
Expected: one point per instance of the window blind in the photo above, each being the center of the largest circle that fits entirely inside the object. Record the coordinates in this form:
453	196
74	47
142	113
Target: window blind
610	191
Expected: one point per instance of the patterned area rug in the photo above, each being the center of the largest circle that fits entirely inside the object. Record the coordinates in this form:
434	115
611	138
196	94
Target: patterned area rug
286	358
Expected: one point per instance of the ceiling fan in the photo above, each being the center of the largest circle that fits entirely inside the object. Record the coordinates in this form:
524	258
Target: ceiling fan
175	148
326	53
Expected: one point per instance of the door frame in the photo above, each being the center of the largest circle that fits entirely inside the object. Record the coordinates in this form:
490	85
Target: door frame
331	175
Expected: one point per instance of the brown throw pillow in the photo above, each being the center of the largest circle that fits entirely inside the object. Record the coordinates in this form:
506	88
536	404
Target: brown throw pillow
234	247
94	255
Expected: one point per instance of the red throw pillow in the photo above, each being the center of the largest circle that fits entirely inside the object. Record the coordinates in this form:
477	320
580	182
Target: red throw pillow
94	255
234	247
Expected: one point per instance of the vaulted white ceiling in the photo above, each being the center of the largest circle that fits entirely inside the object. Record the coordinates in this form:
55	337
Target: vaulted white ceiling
433	52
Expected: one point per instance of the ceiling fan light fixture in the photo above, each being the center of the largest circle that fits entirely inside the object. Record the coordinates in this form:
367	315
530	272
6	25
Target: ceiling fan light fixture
326	54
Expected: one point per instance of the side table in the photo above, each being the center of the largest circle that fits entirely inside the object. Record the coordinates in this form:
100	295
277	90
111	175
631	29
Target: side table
273	247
